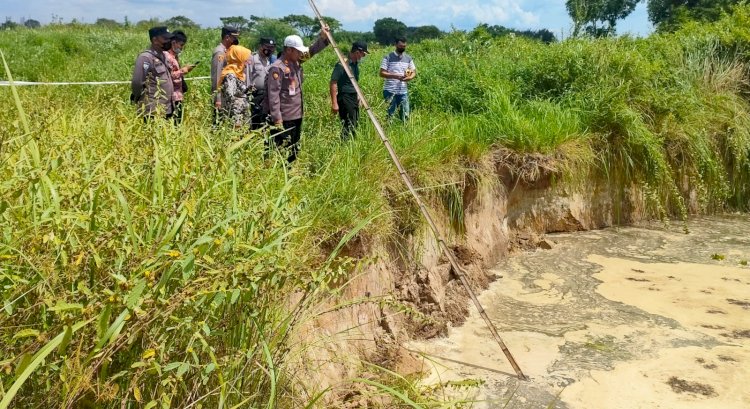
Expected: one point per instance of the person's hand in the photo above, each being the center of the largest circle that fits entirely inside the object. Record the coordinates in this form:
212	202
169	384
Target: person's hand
186	69
335	107
324	31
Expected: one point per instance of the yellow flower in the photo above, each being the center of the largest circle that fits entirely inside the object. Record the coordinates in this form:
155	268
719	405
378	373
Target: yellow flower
174	253
218	242
147	273
230	232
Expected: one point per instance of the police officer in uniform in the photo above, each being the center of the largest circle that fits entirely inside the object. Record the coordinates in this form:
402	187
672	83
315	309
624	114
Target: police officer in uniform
151	85
283	102
229	36
261	62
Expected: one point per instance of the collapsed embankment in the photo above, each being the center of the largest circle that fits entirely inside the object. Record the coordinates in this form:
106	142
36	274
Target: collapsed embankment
405	289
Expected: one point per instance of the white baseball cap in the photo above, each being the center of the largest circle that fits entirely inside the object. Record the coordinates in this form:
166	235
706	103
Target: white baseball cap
295	41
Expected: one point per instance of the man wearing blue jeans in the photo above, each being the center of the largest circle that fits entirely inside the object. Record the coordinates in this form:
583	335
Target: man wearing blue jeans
398	69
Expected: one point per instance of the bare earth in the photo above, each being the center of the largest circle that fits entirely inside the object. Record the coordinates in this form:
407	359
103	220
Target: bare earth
640	317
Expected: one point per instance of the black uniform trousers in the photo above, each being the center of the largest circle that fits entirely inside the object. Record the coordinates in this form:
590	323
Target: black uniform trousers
258	118
288	137
348	113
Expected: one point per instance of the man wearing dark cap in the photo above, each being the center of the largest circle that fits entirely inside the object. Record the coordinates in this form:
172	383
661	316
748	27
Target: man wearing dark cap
151	85
262	60
229	36
344	100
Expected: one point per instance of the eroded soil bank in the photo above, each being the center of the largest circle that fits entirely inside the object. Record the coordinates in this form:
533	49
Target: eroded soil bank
636	317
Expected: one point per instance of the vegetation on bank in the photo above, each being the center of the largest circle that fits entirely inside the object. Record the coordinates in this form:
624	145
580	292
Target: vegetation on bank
157	266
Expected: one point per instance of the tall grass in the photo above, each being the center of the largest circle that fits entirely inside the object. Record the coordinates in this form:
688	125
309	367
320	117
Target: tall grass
153	265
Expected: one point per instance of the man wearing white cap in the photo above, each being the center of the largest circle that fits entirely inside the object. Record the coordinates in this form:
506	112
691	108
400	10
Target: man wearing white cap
283	102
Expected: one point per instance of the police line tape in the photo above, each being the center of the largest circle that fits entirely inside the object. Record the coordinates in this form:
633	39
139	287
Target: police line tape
28	83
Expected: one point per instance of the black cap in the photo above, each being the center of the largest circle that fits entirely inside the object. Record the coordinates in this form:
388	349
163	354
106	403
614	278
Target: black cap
229	30
267	41
159	31
360	46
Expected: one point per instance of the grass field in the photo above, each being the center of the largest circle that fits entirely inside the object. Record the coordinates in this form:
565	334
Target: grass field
143	265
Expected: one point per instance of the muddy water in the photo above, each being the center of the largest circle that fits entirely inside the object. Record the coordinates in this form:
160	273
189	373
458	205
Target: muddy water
638	317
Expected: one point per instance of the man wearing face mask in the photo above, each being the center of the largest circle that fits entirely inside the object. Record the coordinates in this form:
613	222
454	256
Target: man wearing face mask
179	38
344	99
398	69
260	64
151	84
229	36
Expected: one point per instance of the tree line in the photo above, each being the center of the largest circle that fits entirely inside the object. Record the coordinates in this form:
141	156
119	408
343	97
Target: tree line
385	30
599	17
590	17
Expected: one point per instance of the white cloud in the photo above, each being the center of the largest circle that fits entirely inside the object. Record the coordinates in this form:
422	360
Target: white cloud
353	11
493	12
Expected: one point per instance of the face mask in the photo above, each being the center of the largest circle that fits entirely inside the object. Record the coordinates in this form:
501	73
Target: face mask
267	52
177	50
400	50
166	46
235	41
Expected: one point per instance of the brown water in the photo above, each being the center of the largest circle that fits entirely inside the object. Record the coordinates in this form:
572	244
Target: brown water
638	317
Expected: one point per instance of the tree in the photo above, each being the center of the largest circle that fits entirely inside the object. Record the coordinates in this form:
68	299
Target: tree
272	28
8	25
304	24
238	22
483	31
182	22
107	23
598	17
333	24
667	15
388	29
31	23
417	34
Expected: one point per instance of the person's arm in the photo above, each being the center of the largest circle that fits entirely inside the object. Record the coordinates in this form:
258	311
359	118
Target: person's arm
334	102
321	43
413	72
273	91
384	73
390	75
139	76
334	87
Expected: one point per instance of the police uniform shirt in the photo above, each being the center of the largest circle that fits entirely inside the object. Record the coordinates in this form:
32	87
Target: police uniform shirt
151	83
284	87
218	62
259	70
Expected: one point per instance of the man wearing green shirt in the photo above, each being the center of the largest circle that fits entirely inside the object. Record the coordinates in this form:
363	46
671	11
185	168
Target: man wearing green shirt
344	100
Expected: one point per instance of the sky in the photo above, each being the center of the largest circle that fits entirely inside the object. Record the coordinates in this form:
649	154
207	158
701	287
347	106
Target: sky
356	15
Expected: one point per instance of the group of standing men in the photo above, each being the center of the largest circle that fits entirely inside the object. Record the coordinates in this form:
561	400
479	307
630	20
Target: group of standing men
254	90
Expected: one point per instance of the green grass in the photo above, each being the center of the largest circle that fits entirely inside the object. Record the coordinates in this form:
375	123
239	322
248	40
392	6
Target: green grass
170	250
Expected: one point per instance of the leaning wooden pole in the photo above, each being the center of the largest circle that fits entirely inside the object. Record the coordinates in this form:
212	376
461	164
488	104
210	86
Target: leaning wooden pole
422	207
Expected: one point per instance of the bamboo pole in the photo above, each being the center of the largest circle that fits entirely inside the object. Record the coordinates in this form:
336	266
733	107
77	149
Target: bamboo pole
422	207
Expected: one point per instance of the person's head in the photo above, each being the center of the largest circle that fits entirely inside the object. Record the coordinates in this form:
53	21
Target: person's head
400	45
237	59
179	39
359	51
238	55
161	38
294	48
267	46
230	36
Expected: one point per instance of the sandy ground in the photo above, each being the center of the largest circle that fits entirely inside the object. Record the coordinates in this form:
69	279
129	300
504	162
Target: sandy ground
628	318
